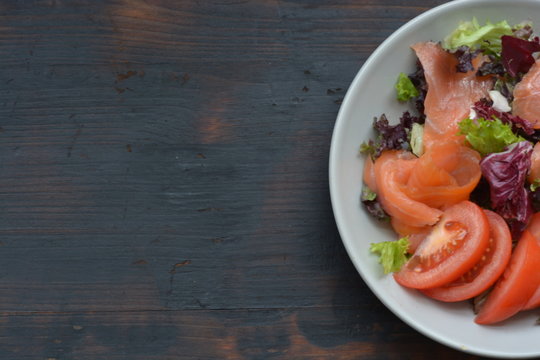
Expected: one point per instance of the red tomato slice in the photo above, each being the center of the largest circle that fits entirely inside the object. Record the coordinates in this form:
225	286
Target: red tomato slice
534	301
486	271
534	228
454	246
517	284
416	239
534	225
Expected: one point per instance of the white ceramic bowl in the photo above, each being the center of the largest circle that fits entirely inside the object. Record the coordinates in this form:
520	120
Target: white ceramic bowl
370	94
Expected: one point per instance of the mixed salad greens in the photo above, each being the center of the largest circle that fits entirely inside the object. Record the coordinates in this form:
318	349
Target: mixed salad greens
502	140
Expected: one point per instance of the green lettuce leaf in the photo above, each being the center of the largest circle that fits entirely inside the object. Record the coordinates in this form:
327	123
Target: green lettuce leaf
535	185
417	139
368	194
471	34
488	136
368	148
405	88
392	254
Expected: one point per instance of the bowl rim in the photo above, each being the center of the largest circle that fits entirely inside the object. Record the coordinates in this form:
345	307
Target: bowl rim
334	160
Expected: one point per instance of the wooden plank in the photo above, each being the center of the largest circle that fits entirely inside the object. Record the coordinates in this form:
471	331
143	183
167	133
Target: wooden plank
307	333
163	181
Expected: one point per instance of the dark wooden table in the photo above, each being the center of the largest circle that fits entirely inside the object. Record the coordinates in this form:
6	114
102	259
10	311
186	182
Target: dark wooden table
163	179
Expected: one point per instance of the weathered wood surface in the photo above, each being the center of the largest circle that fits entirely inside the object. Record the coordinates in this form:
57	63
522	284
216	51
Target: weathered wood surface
163	181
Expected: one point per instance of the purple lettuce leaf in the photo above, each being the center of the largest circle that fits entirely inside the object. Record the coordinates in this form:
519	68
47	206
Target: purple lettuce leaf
392	137
418	79
464	56
483	108
517	54
493	67
506	173
372	204
505	85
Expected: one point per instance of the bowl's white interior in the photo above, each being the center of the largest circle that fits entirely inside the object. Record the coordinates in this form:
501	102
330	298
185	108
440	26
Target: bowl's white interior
370	94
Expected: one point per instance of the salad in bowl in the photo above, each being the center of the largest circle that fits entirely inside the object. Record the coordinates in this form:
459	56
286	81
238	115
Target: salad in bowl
446	225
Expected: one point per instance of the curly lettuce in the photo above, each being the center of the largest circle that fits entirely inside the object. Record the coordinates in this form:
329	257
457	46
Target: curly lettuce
405	88
392	254
472	34
488	136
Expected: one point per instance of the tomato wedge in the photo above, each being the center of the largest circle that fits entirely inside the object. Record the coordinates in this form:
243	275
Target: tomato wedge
455	244
534	301
534	228
486	271
517	284
534	225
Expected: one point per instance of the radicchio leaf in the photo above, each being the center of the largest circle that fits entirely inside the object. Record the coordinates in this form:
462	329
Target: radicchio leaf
483	108
506	173
517	54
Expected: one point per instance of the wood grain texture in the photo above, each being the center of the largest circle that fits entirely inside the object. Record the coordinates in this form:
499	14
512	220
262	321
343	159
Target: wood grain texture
163	181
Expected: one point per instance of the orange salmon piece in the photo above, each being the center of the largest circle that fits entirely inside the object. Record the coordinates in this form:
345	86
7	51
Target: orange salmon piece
369	174
445	175
403	229
527	96
450	93
534	173
392	171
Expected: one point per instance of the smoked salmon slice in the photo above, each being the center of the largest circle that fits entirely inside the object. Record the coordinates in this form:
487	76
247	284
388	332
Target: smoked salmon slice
392	171
450	94
404	229
534	172
369	174
445	175
527	96
414	191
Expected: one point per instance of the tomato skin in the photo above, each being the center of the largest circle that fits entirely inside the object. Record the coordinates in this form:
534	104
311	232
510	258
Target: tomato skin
534	228
487	273
534	301
517	284
534	225
420	272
